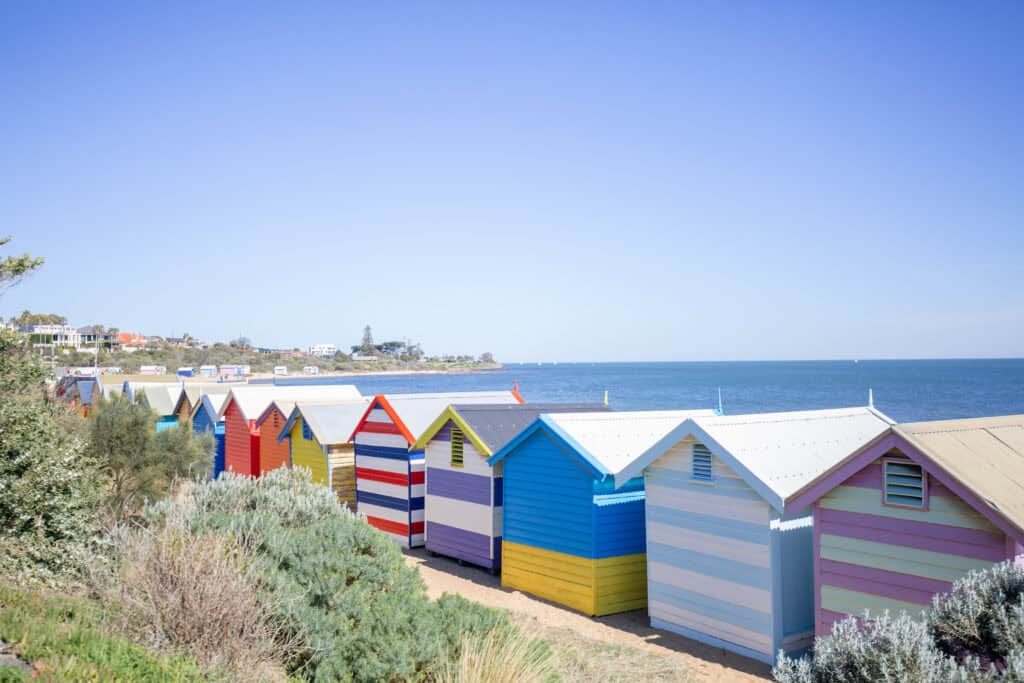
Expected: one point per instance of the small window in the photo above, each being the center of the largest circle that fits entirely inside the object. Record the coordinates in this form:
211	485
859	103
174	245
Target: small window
904	484
701	463
307	433
457	441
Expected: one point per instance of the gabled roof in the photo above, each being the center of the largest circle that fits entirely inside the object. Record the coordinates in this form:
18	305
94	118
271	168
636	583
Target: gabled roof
194	390
253	399
413	413
161	398
985	454
211	403
776	454
491	426
331	422
606	443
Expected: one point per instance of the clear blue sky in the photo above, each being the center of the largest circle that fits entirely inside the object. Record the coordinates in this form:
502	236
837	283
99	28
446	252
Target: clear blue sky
586	181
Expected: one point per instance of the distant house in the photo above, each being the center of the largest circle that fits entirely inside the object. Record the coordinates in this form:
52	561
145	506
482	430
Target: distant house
130	341
361	357
95	336
53	335
323	350
207	370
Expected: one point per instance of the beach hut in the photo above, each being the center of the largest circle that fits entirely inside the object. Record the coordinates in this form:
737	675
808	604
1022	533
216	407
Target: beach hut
191	394
318	438
729	554
904	516
463	494
161	399
205	419
571	533
245	404
389	472
274	451
131	383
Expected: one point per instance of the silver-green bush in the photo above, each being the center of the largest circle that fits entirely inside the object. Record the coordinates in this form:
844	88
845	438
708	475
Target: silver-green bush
341	587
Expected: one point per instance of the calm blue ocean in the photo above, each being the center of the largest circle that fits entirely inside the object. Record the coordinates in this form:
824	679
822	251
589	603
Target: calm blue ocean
904	390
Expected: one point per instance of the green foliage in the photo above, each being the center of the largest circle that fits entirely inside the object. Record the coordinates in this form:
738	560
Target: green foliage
13	268
342	587
63	637
27	317
48	489
141	464
973	633
983	616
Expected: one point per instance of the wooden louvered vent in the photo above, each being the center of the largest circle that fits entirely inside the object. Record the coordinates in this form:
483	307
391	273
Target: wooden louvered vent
904	484
701	463
457	441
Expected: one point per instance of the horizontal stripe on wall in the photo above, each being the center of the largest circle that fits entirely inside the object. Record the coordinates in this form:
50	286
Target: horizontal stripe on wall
697	626
947	511
383	464
459	543
912	528
711	565
379	428
854	602
904	587
713	587
471	488
383	440
738	615
378	414
389	477
382	452
389	501
900	559
400	516
993	552
459	514
388	525
730	487
702	502
393	490
755	554
709	524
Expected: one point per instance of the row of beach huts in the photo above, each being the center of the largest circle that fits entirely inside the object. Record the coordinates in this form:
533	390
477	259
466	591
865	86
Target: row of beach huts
749	532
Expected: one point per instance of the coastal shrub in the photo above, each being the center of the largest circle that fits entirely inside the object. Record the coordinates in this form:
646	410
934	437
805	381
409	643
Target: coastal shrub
884	649
139	463
982	616
49	490
176	591
340	587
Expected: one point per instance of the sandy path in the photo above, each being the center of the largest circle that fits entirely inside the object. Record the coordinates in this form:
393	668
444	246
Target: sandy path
629	629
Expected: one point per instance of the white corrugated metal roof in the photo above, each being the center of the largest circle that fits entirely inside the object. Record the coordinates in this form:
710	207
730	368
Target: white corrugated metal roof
417	411
253	399
161	397
332	422
777	454
216	402
615	439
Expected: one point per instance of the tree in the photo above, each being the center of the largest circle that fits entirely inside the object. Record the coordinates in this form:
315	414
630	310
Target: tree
14	268
241	343
28	318
486	357
140	463
367	348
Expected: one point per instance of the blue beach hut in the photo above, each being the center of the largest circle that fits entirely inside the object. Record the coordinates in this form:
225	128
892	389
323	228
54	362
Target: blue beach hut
204	419
572	533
